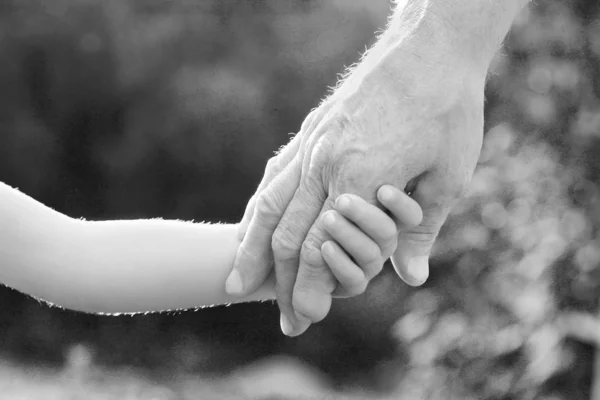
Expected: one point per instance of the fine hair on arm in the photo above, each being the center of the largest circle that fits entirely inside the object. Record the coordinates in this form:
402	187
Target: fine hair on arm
114	267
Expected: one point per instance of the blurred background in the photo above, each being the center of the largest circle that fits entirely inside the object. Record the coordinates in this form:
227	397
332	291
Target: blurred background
152	108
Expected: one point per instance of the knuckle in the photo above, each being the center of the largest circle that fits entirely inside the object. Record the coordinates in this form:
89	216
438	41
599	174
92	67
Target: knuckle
269	203
312	115
284	243
422	238
312	182
272	164
312	190
320	155
426	233
314	274
248	257
316	116
311	255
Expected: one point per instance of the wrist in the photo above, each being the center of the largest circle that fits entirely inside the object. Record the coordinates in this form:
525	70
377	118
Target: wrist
475	29
458	34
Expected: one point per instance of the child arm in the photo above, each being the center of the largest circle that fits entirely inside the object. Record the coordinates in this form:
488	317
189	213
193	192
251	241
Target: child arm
115	266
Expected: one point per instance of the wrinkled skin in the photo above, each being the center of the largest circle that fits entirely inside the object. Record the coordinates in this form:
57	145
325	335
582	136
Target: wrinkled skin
368	133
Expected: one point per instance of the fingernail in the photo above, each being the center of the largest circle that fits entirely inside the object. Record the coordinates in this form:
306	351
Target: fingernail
233	285
418	270
386	194
286	326
342	202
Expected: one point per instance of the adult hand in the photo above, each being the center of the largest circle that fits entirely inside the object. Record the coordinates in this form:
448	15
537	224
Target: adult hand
411	111
381	129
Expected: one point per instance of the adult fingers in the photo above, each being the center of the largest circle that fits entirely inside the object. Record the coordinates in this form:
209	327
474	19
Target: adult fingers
290	236
254	258
315	282
288	242
275	165
280	160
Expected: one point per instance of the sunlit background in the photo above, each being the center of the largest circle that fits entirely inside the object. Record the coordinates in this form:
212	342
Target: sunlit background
170	108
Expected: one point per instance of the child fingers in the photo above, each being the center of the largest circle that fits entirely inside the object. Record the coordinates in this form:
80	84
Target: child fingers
356	243
370	219
405	209
351	278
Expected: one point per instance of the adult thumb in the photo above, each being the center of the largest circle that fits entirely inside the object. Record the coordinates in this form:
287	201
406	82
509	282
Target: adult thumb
411	258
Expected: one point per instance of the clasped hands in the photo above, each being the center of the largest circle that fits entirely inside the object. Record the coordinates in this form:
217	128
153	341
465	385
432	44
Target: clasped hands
377	128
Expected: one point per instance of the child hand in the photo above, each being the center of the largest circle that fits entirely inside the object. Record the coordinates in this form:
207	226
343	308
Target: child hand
365	236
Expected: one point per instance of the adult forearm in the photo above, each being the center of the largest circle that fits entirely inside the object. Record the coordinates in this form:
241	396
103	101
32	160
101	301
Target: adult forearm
468	31
432	55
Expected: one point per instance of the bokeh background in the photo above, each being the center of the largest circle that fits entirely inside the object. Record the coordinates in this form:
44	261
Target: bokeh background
170	108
